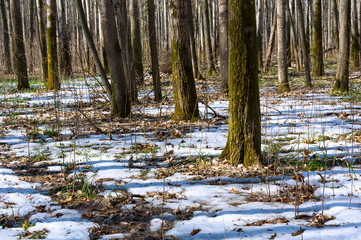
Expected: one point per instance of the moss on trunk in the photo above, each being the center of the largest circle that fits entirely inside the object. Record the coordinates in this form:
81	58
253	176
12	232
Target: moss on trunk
244	134
317	49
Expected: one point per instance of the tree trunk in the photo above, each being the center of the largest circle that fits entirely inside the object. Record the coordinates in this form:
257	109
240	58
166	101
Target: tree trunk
244	134
136	42
19	48
283	85
302	35
342	72
65	56
260	34
207	35
184	89
335	23
154	51
271	43
92	48
120	98
223	42
42	40
196	72
355	44
317	49
53	75
6	39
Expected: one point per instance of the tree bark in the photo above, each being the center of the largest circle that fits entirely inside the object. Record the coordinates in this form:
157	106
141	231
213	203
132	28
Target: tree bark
335	23
317	49
184	89
283	85
154	51
53	74
42	40
65	56
136	42
260	34
355	44
92	48
19	48
120	98
271	43
208	42
342	72
304	50
196	72
244	134
6	39
223	42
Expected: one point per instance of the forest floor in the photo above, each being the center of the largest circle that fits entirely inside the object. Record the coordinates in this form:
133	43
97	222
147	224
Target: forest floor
69	171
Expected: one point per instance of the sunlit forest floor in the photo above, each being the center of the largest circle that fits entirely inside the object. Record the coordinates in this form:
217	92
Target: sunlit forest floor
69	171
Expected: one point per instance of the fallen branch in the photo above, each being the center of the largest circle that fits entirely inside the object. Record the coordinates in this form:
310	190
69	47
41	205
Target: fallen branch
215	113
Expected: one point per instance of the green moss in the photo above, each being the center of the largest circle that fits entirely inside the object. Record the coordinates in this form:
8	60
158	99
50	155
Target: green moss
355	53
317	64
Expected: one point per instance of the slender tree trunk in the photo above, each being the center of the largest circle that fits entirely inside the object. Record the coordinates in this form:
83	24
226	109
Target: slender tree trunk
154	51
19	48
335	23
223	42
136	41
92	48
355	44
260	34
342	72
65	56
271	43
184	89
283	85
120	98
196	72
207	35
6	39
244	134
317	48
42	40
53	74
304	50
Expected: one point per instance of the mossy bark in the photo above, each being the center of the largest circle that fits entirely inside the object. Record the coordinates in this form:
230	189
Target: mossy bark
184	89
53	74
207	38
317	49
355	44
283	85
244	134
136	41
342	72
335	22
18	46
65	55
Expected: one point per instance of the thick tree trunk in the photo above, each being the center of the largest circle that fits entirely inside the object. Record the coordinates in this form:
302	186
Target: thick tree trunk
223	42
53	74
208	42
342	72
6	39
42	40
283	85
184	89
244	134
304	50
65	56
120	98
19	48
154	51
317	48
136	41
